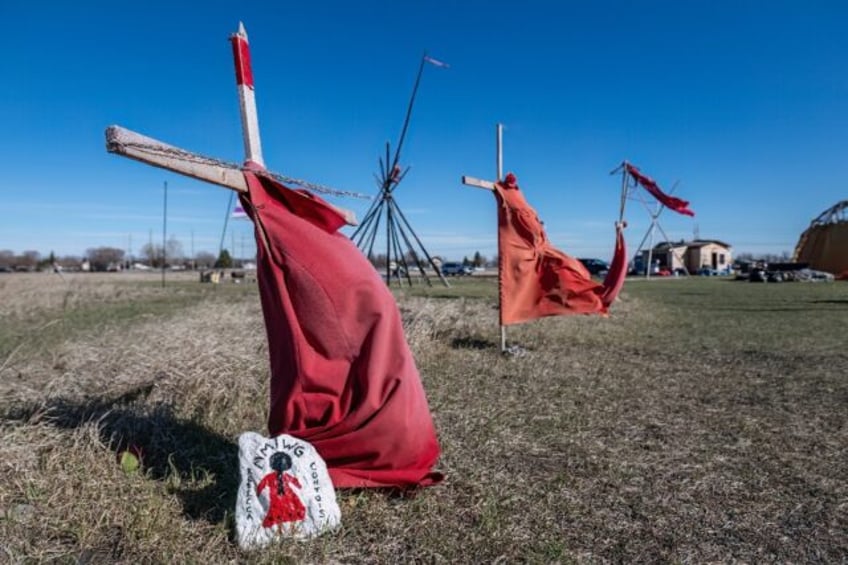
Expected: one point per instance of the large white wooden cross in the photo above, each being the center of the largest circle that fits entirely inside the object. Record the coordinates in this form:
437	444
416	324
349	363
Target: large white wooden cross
153	152
489	185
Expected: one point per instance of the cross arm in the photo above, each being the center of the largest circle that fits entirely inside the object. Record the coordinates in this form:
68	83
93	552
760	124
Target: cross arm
478	183
159	154
151	151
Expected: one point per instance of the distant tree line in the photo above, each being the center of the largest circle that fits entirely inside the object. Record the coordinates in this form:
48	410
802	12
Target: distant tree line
477	260
154	255
746	257
26	261
107	258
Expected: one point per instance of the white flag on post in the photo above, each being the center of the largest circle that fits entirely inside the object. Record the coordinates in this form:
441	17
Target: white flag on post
238	212
435	62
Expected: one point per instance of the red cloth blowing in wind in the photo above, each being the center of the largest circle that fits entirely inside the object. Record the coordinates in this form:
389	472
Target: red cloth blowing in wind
677	204
536	279
342	375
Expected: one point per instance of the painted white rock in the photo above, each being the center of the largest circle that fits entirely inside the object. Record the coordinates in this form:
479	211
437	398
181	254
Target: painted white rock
285	491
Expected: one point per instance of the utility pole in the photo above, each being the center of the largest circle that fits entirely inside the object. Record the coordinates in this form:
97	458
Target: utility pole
164	232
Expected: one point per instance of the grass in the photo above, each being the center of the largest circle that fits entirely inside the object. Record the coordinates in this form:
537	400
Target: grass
47	309
704	420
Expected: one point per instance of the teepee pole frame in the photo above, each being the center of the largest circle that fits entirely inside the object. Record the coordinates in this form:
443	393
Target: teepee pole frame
403	246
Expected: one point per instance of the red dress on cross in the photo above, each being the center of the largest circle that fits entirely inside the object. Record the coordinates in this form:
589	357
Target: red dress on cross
342	375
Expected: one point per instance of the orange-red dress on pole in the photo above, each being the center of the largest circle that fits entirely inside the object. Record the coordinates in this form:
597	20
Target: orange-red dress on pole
536	279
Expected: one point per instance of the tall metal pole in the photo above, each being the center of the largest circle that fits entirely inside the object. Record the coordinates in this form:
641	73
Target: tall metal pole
499	146
164	232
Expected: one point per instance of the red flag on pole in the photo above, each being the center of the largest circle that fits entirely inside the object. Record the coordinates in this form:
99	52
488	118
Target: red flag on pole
342	375
677	204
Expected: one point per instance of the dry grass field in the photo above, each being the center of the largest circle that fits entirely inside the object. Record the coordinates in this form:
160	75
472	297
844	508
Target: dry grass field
704	421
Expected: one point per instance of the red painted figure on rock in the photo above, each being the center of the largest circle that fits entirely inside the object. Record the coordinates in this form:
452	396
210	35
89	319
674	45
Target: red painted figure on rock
285	506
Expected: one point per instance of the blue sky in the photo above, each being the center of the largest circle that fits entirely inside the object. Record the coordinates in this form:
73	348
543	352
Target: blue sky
744	104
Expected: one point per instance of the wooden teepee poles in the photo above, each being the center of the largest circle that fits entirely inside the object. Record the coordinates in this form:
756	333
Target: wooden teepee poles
403	246
408	116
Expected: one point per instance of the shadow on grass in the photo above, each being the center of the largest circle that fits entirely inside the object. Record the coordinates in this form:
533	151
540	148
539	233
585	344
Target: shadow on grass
468	342
199	465
800	308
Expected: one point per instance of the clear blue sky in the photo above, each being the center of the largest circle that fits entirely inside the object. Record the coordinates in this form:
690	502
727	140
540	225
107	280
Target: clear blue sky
744	103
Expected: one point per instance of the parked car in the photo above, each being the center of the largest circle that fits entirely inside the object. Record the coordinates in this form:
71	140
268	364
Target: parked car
456	269
758	275
595	266
775	276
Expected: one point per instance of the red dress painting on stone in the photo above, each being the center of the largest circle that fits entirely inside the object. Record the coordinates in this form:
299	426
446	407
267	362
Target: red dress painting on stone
285	506
342	375
536	279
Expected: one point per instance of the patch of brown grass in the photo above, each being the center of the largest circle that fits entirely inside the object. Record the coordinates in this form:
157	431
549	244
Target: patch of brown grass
675	430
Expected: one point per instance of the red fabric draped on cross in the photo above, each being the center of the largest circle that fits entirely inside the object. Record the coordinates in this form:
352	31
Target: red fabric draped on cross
618	268
342	375
536	279
672	202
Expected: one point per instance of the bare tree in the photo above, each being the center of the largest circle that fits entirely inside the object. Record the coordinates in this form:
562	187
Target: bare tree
152	253
69	262
379	260
28	260
204	260
174	249
7	258
104	258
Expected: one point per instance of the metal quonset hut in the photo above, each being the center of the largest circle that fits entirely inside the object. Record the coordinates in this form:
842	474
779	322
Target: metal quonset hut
824	245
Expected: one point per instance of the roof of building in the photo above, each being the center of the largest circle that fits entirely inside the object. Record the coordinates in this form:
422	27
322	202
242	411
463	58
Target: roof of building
666	245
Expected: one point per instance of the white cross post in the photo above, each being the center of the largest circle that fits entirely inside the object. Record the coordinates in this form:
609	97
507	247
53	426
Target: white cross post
247	96
153	152
489	185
